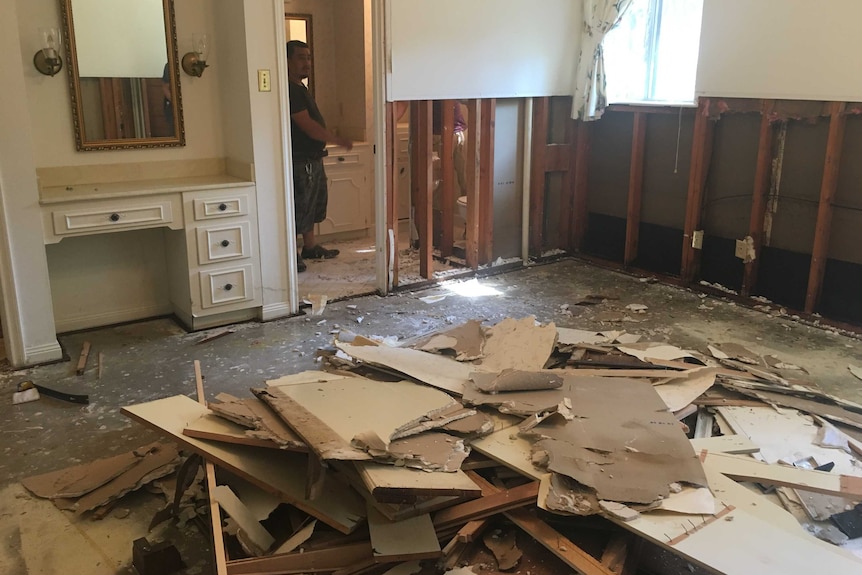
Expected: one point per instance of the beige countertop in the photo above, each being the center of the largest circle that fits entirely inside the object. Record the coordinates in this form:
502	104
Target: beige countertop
107	190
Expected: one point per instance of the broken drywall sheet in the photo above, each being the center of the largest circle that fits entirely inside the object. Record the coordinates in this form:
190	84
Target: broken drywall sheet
569	336
622	441
679	392
504	546
523	403
435	419
258	538
431	369
518	344
565	496
517	380
464	342
856	371
77	480
734	351
261	421
430	451
650	350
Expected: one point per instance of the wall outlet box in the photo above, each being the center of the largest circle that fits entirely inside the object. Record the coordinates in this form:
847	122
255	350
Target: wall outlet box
697	239
741	249
263	82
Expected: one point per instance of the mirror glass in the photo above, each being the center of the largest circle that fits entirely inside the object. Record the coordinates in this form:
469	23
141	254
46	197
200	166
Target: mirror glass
298	27
123	73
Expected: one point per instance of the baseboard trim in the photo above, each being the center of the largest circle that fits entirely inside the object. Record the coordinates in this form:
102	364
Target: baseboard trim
44	353
275	311
75	323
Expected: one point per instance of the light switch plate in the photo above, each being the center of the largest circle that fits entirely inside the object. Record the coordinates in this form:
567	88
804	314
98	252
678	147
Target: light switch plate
263	83
697	240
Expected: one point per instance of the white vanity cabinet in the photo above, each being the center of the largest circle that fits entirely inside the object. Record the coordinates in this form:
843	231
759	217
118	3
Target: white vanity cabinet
207	228
351	197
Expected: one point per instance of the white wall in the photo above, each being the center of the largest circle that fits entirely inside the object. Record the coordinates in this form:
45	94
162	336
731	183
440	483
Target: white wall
788	49
28	324
49	101
482	48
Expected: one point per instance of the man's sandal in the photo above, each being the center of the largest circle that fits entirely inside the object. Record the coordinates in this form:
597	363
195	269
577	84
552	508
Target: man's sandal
318	252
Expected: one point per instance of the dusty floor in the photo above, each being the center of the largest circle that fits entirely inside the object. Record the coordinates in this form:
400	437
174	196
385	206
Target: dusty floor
154	359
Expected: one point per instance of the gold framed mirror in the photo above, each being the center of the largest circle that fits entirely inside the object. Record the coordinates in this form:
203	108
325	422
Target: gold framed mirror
123	76
298	27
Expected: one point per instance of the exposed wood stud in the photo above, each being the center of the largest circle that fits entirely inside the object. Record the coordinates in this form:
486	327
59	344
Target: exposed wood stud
423	212
822	233
701	150
471	158
486	180
392	191
447	175
567	191
580	216
762	174
636	179
537	174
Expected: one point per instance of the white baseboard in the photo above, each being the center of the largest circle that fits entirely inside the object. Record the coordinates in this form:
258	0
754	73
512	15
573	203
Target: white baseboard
275	311
44	353
73	323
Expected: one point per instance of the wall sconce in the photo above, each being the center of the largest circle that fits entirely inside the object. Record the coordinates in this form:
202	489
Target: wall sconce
194	62
47	60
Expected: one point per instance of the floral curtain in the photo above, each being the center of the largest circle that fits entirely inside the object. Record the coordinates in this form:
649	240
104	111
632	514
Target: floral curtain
600	16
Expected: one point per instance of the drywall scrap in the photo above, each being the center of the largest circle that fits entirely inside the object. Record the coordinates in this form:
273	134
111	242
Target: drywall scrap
499	423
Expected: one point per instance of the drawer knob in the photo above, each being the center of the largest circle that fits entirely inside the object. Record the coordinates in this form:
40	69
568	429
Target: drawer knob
341	158
222	207
225	243
115	217
228	287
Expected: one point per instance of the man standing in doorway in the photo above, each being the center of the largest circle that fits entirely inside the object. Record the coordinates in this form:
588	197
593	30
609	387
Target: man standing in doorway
309	136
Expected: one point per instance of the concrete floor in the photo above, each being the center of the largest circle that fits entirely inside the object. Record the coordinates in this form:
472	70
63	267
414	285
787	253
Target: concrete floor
153	359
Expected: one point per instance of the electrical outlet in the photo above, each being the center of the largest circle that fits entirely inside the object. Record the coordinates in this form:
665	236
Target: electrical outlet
697	240
741	249
263	83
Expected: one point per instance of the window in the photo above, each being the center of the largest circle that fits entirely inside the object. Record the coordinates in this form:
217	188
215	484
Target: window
651	56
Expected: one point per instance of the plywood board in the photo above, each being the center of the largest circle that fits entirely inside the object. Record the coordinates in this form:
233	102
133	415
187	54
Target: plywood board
281	473
211	426
404	540
434	370
389	484
518	344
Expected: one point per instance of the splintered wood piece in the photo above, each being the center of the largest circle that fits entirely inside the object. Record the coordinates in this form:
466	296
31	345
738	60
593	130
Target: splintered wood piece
82	360
390	484
215	428
280	473
216	335
404	540
320	560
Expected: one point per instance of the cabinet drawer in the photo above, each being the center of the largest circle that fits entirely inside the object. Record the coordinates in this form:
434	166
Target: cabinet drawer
226	286
222	243
222	207
346	159
106	217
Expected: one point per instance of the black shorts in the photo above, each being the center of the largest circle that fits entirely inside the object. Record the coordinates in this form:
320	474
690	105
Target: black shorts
310	194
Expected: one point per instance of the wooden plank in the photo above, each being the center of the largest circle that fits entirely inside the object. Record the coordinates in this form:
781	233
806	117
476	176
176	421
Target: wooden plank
404	540
447	174
762	178
82	360
423	208
392	191
487	506
615	552
743	468
211	426
580	216
474	184
701	150
828	186
316	561
537	174
486	180
279	473
390	484
219	555
636	180
558	157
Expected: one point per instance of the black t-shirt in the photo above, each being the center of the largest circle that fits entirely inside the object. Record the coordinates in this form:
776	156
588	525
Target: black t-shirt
304	147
